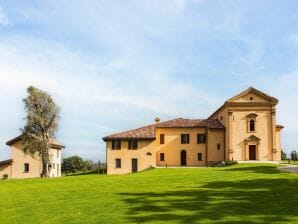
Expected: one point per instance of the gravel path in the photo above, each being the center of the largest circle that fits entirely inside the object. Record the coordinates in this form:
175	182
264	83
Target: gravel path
289	168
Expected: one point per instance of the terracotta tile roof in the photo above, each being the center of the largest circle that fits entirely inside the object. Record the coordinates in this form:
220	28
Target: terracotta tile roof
53	143
279	126
190	123
5	162
148	132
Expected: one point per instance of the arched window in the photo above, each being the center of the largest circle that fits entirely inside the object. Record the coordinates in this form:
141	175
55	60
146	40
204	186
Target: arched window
252	125
251	122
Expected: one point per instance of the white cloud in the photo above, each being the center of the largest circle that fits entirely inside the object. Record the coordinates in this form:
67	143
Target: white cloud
93	93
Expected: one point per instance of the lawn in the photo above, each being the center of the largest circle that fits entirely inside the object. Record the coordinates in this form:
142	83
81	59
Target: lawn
246	193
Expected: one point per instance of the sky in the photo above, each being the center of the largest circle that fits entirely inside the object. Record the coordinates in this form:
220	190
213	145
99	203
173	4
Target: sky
116	65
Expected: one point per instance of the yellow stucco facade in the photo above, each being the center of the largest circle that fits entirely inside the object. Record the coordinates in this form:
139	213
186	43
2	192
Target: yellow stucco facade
243	128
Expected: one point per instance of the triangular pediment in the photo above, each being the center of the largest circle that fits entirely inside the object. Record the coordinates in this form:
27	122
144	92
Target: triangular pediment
252	95
252	138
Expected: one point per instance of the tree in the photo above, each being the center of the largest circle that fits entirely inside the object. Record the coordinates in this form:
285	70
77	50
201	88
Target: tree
73	164
41	125
294	155
284	155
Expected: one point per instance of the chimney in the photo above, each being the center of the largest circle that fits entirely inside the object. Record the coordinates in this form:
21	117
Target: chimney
157	120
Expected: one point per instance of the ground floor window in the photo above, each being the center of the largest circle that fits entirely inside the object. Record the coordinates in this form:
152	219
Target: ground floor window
200	157
162	156
118	163
26	167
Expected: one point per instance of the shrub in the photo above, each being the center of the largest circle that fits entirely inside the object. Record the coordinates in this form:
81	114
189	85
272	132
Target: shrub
5	176
230	162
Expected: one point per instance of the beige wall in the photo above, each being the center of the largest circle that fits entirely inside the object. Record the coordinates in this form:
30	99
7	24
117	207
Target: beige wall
5	169
172	147
263	131
216	136
234	119
126	155
277	155
19	158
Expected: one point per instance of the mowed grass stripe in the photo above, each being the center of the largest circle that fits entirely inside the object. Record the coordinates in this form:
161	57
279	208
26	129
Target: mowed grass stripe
250	193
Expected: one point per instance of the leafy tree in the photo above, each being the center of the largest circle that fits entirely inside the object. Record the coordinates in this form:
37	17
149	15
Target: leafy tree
41	125
284	155
294	155
73	164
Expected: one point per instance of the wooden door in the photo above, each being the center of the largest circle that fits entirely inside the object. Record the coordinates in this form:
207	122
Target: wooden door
252	152
134	165
183	157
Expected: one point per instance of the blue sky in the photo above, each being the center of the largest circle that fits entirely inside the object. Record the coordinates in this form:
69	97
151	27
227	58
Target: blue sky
116	65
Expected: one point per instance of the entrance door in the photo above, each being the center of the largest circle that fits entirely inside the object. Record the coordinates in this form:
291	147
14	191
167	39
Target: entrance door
134	165
183	157
252	152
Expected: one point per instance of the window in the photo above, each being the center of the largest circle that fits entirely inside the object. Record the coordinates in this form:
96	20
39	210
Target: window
53	166
221	118
162	138
116	144
162	156
252	125
57	153
26	167
133	144
201	138
149	154
200	156
184	138
251	122
118	163
218	146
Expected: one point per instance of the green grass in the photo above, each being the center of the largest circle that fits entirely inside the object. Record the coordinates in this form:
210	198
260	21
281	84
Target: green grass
291	162
244	193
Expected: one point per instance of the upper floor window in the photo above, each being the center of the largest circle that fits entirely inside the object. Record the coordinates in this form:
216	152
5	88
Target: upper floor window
116	144
252	125
162	138
251	122
26	167
218	146
133	144
184	138
201	138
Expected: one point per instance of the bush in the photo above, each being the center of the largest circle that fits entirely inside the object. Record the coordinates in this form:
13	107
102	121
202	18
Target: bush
230	162
5	176
294	155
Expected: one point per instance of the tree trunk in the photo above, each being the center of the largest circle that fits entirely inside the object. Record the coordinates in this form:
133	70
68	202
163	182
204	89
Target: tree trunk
44	172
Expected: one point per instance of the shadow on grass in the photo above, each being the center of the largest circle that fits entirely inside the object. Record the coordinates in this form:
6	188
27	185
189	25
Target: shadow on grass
248	201
102	171
256	169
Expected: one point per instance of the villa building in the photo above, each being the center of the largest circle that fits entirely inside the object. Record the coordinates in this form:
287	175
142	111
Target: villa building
22	165
243	128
